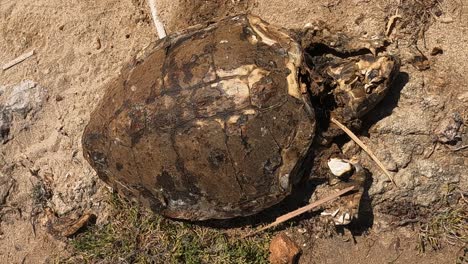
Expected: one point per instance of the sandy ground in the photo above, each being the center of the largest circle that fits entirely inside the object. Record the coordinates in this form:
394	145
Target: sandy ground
82	45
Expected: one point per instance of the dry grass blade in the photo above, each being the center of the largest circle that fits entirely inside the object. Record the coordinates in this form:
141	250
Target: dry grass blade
449	225
416	18
301	210
364	147
136	235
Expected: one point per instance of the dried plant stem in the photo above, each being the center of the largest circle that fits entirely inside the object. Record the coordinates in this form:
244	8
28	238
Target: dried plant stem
157	22
17	60
460	148
364	147
302	210
391	24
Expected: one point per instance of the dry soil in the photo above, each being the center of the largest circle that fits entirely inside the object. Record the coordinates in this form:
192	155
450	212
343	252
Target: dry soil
80	45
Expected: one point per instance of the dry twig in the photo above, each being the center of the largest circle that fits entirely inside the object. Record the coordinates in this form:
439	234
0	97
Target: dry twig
157	22
460	148
391	24
17	60
301	210
364	147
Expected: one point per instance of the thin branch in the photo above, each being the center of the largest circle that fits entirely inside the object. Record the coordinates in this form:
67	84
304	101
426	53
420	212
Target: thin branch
301	210
459	148
157	22
364	147
19	59
391	24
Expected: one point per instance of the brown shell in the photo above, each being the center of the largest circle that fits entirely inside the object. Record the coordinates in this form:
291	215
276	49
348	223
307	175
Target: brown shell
210	123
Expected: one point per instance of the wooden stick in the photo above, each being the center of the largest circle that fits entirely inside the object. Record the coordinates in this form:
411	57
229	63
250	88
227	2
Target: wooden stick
301	210
391	23
19	59
460	148
157	23
364	147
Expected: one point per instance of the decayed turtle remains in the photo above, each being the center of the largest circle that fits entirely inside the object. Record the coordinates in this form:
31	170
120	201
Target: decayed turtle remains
217	121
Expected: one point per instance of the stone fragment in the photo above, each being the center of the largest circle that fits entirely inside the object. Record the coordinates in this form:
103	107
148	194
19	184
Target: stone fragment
449	130
24	98
17	103
283	250
437	51
339	167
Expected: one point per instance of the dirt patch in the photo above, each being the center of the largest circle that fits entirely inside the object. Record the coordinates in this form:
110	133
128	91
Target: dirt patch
79	47
192	12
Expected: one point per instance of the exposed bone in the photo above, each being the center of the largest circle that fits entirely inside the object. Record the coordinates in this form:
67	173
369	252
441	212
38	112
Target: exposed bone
265	31
333	214
342	219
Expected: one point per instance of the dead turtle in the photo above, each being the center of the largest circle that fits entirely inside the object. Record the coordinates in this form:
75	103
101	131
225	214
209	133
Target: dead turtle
217	121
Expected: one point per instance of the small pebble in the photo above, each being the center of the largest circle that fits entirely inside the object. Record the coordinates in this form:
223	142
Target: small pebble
97	43
283	250
436	51
339	167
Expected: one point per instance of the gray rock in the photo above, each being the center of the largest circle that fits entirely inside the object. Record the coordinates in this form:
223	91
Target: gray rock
17	104
428	168
402	123
379	185
24	98
449	130
426	195
406	179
